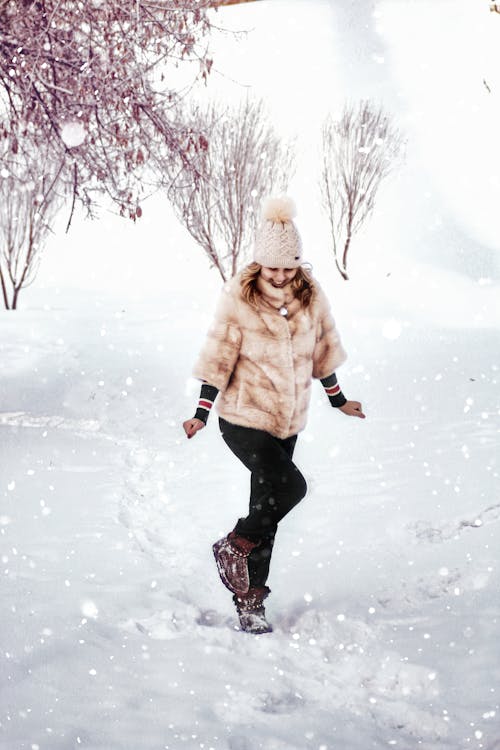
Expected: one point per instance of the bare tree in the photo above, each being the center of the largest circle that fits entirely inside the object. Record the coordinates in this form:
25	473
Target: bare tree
358	152
95	78
244	159
29	200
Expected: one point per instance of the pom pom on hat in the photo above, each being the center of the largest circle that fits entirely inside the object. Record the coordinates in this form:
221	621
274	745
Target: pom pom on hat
279	209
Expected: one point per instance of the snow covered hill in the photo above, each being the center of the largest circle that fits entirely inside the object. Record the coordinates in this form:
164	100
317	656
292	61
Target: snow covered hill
116	630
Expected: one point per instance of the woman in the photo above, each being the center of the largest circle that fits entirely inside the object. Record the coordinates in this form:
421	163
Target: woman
272	333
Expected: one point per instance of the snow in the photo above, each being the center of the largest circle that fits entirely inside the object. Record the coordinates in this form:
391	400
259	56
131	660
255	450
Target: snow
116	631
392	329
73	134
383	592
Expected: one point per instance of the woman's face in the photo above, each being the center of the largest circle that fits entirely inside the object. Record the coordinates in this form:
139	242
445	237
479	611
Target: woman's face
278	277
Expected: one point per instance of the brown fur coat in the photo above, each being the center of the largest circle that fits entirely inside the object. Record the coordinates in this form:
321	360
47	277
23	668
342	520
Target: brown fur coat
263	362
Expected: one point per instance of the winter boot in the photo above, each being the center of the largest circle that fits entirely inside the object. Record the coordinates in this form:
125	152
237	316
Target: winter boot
251	610
231	555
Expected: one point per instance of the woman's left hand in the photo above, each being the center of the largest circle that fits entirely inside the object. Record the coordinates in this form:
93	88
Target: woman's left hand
352	409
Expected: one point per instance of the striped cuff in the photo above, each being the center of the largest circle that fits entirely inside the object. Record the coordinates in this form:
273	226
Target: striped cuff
332	390
208	394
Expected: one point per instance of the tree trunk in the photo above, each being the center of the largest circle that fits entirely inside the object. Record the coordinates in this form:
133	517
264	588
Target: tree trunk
4	292
346	250
342	271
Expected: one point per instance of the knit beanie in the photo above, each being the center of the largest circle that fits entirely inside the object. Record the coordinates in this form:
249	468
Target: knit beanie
278	243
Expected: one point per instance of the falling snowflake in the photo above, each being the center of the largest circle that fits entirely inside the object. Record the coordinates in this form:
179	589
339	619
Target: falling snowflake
73	134
392	329
89	609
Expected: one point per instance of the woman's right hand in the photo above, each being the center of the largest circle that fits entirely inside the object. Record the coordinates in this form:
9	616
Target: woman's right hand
191	426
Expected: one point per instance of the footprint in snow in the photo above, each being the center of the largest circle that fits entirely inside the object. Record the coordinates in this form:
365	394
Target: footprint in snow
24	419
210	618
413	593
280	703
426	533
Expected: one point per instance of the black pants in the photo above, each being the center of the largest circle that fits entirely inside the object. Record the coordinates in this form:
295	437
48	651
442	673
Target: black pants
276	486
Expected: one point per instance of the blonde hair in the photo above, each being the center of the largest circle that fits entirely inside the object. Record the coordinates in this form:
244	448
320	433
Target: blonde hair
302	284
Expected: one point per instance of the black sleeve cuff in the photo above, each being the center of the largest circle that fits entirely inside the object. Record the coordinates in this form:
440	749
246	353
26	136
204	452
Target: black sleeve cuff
338	399
208	394
201	414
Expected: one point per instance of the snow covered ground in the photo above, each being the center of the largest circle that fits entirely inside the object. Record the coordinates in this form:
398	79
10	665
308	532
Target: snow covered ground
116	632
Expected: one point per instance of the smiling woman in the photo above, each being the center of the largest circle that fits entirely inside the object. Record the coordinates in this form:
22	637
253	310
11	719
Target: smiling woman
298	280
273	332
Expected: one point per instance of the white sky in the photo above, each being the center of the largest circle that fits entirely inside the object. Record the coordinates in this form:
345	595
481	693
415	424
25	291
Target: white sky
440	52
